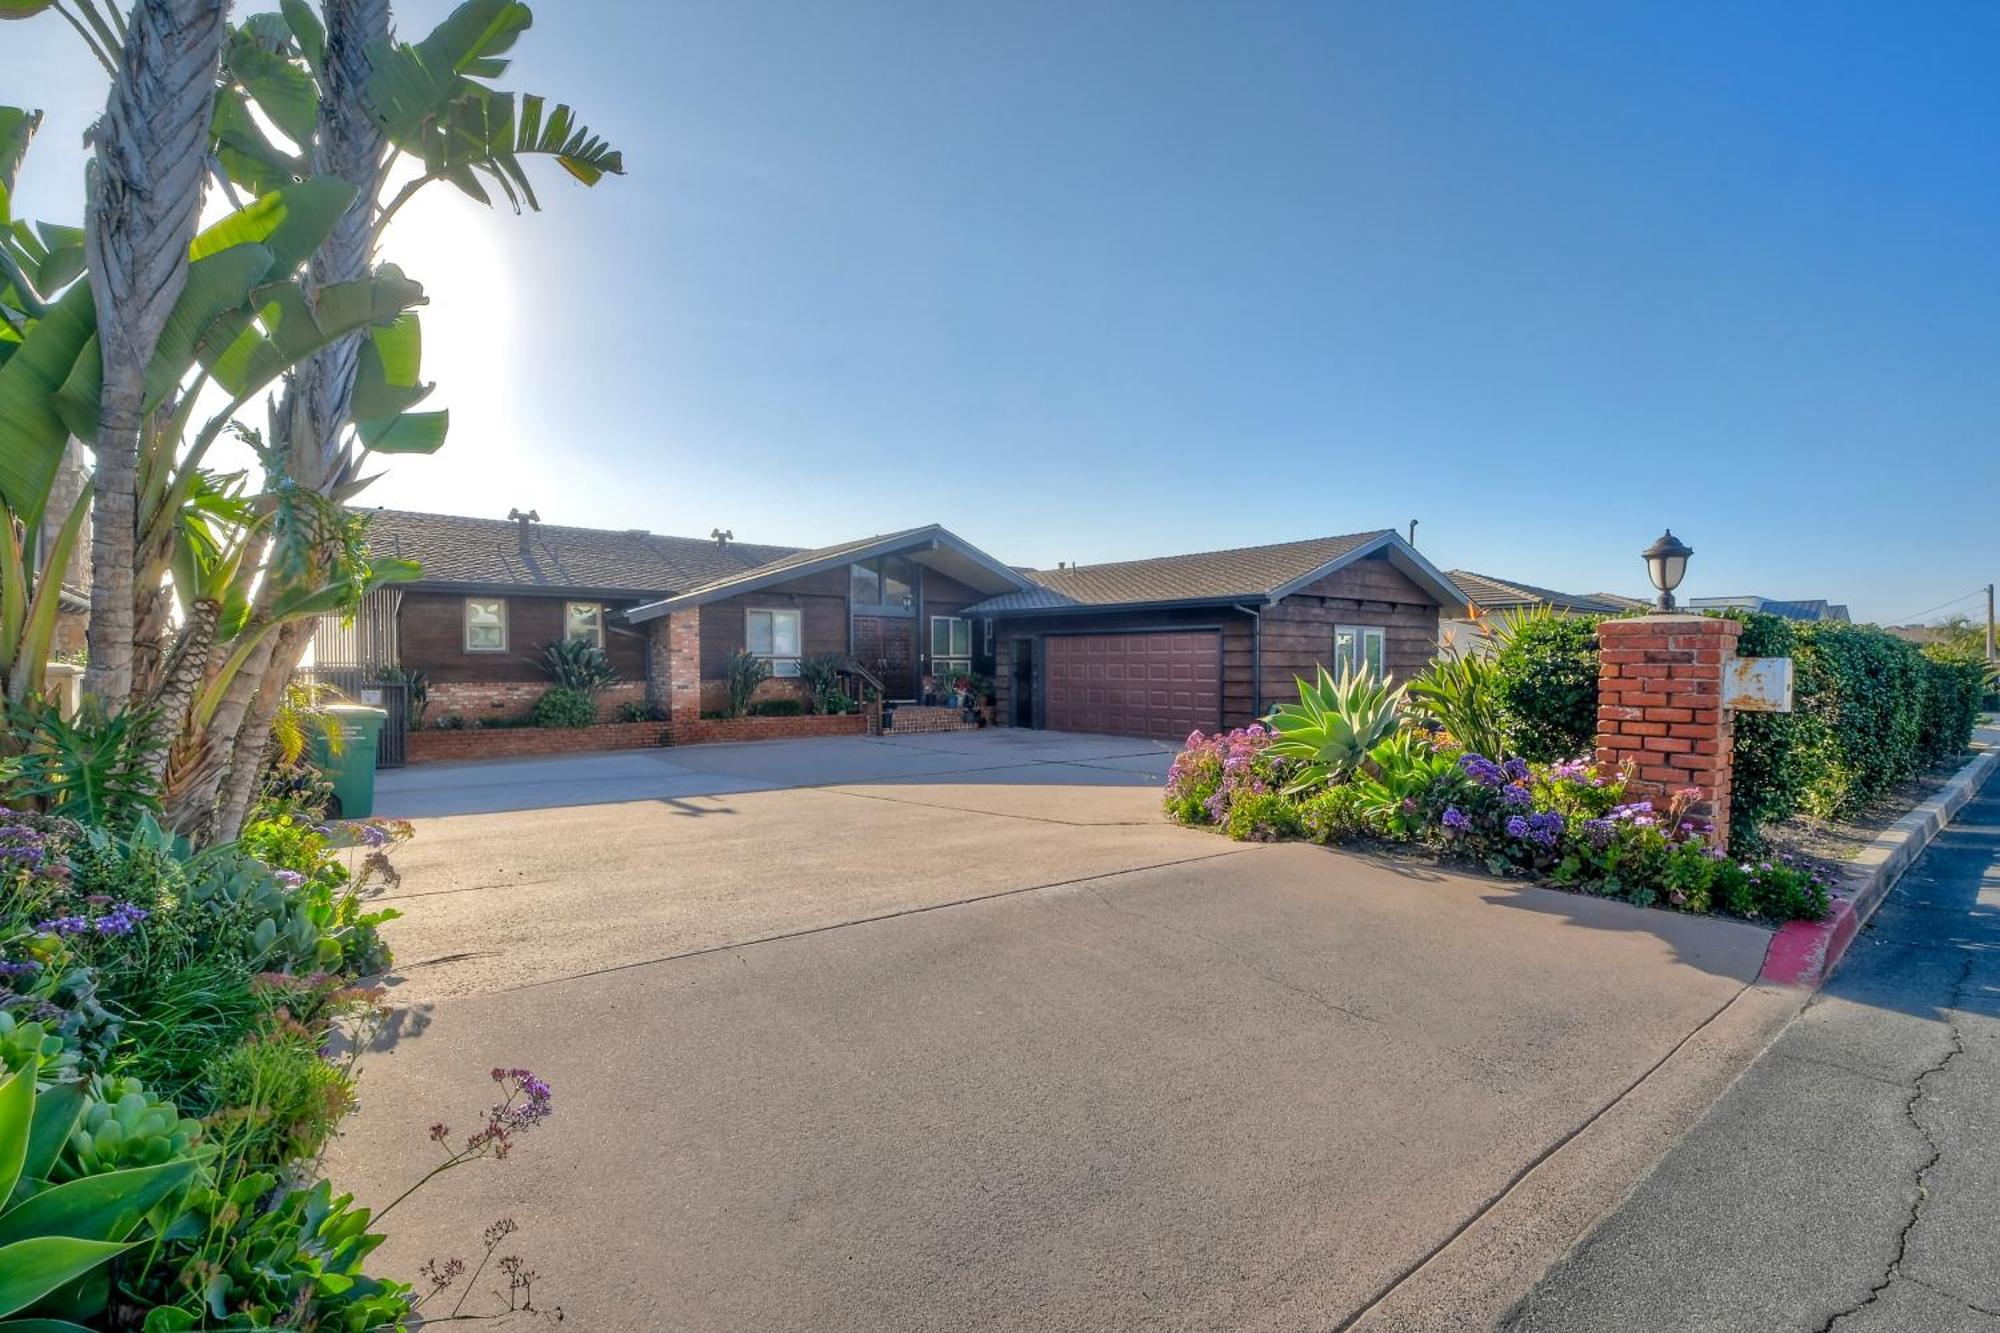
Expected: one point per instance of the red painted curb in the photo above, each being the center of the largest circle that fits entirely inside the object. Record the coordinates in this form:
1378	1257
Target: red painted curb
1803	952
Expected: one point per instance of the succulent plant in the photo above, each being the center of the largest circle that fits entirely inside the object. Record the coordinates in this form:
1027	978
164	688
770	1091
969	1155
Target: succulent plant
24	1042
1333	726
123	1127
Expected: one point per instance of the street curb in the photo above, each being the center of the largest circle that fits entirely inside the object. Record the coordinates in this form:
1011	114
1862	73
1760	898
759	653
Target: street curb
1802	953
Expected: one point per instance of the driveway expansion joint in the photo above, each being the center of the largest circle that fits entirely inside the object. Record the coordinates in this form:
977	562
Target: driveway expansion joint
1895	1269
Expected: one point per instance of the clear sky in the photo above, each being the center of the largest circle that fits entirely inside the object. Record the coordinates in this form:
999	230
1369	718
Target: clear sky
1089	281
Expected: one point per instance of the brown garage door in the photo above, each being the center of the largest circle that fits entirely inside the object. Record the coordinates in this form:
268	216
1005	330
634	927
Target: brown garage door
1158	684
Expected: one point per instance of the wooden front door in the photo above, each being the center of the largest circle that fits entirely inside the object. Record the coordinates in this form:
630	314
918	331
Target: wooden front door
887	646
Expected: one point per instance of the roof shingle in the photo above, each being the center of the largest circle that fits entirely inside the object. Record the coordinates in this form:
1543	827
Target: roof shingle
1251	572
1491	593
486	552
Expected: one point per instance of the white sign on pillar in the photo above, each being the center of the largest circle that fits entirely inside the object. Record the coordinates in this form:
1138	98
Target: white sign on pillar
1758	685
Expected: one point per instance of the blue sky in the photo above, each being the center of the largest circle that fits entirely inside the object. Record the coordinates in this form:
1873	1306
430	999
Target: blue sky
1091	281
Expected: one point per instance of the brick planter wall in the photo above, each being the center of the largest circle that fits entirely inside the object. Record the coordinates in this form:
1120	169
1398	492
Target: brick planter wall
711	730
1659	708
908	718
474	699
433	746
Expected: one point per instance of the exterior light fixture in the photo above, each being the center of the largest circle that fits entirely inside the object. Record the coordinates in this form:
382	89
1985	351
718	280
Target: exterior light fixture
1666	564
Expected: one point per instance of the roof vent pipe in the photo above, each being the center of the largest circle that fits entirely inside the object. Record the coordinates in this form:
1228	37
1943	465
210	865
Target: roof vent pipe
1413	534
523	517
722	536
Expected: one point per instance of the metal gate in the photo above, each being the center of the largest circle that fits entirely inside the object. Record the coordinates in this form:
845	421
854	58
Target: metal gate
391	696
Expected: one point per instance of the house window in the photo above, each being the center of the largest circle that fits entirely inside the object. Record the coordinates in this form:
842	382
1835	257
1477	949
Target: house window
951	646
886	582
585	621
485	624
774	636
1360	647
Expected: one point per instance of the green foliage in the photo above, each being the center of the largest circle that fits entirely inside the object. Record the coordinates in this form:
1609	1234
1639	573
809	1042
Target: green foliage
122	1126
416	684
1775	753
1335	815
1546	675
742	674
1396	787
1333	726
278	1098
1263	817
576	665
821	675
91	768
564	706
1462	695
634	710
778	708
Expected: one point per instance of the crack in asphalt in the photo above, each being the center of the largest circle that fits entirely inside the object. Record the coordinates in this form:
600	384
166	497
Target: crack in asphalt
1936	1290
1895	1268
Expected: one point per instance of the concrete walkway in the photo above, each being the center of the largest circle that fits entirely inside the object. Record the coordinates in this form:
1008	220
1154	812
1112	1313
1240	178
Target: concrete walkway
1850	1181
962	1034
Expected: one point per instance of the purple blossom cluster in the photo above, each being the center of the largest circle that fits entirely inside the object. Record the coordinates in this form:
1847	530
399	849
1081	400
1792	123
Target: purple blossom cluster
1543	827
1213	769
21	847
291	879
122	919
1482	770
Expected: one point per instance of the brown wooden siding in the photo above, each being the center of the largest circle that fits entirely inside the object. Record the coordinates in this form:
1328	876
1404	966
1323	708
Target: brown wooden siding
430	632
820	598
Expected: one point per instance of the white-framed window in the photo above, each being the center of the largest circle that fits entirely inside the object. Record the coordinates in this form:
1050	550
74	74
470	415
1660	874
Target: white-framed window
486	624
951	646
584	620
1359	647
773	634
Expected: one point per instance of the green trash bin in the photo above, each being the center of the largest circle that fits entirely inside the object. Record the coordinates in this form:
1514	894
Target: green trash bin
352	771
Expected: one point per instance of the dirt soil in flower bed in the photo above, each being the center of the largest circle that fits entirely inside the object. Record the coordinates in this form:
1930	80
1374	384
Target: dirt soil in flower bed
1842	838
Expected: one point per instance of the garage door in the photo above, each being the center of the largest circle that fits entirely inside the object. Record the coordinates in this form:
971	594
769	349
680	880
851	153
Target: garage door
1159	684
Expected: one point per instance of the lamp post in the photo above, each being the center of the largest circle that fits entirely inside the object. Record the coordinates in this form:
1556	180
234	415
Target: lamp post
1666	564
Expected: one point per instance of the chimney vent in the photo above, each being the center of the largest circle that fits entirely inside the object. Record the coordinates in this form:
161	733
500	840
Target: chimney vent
523	517
722	536
1413	532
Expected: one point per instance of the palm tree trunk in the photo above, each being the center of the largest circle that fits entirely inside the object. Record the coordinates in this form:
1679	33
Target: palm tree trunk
182	679
253	740
144	202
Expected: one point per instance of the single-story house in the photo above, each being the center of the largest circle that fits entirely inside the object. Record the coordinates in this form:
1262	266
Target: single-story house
1489	596
1154	647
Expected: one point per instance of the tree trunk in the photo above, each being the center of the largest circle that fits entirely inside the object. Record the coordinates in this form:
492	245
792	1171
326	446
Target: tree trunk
182	680
144	203
197	774
253	741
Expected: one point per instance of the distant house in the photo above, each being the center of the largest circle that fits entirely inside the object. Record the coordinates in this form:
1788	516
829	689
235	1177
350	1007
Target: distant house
1153	647
1817	608
1493	596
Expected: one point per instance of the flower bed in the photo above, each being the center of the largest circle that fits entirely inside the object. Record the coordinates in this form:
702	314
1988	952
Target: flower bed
1566	823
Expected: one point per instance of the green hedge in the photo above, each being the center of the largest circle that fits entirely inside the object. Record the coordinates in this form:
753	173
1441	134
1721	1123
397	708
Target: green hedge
1870	711
1548	686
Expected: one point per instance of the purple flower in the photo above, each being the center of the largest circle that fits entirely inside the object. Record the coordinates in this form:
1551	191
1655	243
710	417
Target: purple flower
1517	826
291	879
1454	818
1482	770
1514	794
1516	769
1600	831
65	925
121	920
24	969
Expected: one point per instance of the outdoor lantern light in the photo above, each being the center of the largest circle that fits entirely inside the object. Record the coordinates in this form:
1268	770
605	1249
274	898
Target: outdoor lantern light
1666	563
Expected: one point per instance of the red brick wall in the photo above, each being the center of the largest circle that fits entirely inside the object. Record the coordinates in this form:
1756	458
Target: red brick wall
910	718
474	699
518	742
709	730
1659	707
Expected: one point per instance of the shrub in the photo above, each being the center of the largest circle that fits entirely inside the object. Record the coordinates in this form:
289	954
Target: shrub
633	710
573	664
1264	816
1462	696
1335	814
743	673
1775	753
1547	683
1954	689
778	708
1333	726
564	706
1399	786
1866	690
1212	771
821	677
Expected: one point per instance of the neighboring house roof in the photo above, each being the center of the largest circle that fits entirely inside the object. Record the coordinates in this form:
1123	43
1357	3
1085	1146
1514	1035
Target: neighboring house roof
1814	608
486	553
932	546
1491	594
1249	574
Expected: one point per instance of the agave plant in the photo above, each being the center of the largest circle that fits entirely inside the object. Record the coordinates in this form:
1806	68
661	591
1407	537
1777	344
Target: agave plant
1399	774
1333	726
1462	695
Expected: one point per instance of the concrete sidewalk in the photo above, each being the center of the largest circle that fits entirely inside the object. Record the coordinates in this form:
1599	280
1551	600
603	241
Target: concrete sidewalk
1850	1181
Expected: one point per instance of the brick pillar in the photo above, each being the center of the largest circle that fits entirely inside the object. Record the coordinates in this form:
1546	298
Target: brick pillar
684	665
1659	707
659	662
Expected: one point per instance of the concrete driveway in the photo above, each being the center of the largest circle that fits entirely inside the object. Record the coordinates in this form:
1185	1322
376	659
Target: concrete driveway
955	1032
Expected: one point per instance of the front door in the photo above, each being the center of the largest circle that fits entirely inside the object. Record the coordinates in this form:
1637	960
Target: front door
887	646
1024	682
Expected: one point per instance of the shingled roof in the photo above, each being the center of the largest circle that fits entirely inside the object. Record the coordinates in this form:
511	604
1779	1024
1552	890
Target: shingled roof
1241	574
1493	594
486	553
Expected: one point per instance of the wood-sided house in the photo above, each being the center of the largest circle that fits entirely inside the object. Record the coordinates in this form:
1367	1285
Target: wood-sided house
1152	648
